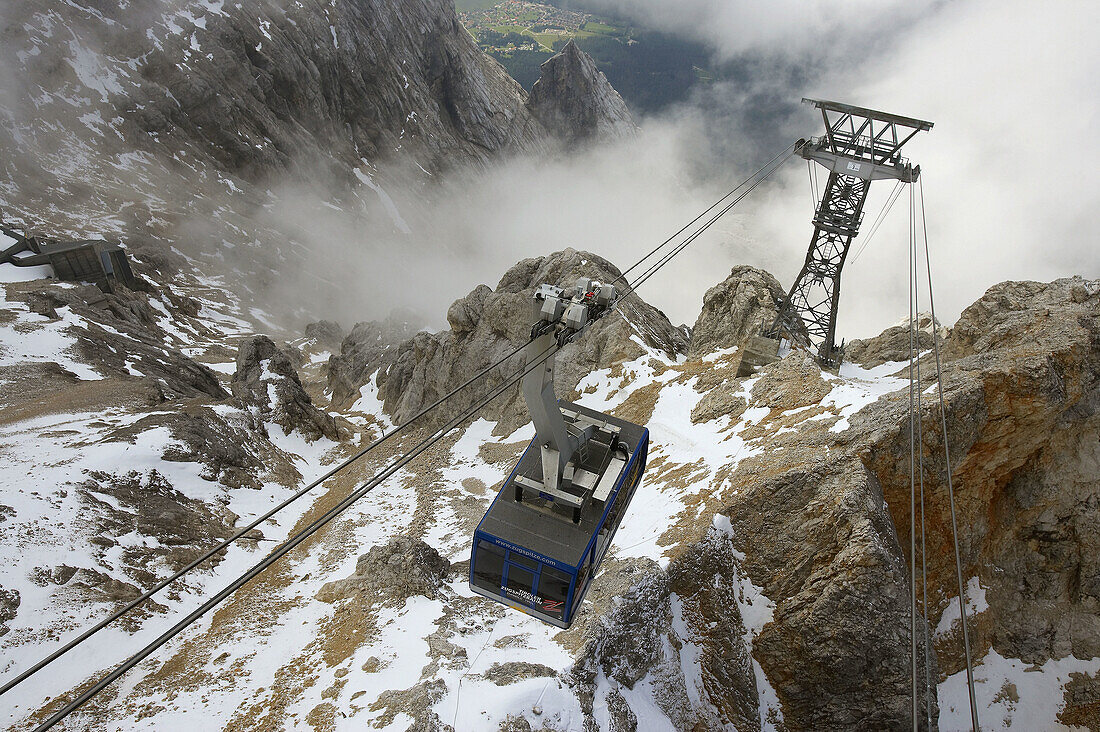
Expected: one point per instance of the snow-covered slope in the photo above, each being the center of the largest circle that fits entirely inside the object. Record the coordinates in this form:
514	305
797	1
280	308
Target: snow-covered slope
751	501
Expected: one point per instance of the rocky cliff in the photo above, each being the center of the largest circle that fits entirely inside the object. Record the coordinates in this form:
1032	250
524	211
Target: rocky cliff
576	102
489	323
823	515
760	580
1022	391
259	88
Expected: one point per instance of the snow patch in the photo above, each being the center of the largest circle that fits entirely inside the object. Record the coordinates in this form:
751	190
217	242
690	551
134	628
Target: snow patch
1039	690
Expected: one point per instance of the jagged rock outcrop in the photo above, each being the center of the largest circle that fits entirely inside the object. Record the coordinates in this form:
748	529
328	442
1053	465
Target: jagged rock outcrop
1082	702
324	335
392	573
119	507
691	608
741	305
576	102
232	446
721	401
1022	391
267	380
893	343
489	324
369	347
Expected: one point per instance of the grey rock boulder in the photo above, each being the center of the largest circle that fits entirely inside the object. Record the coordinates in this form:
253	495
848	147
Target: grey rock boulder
391	573
790	383
741	305
266	380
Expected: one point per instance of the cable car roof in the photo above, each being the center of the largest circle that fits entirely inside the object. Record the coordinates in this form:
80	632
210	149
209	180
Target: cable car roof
555	537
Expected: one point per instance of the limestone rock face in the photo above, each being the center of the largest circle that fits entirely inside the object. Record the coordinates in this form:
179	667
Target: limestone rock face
823	517
791	383
369	347
576	102
824	547
266	379
741	305
643	635
1022	391
275	86
893	343
392	572
302	86
200	110
489	324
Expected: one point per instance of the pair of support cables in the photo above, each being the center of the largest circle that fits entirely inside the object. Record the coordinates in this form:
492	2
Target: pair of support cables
916	472
291	542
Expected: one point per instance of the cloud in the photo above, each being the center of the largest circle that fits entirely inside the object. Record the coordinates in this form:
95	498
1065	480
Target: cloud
1010	191
807	29
1007	169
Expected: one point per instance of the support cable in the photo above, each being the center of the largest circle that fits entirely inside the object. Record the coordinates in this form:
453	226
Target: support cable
917	458
241	533
947	463
716	204
642	278
813	188
912	490
291	543
920	479
882	214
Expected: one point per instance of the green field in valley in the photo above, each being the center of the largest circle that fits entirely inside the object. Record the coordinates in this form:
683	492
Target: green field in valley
465	5
651	70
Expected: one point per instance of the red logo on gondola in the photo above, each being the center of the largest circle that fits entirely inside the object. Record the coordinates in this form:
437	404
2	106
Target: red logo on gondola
552	605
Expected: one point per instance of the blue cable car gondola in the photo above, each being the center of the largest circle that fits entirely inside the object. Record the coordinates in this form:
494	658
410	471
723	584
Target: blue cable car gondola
540	543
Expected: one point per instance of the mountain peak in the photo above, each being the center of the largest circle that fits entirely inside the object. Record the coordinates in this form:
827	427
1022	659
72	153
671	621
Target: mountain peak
575	101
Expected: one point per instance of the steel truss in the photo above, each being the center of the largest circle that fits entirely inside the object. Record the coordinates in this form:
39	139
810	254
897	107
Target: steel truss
859	145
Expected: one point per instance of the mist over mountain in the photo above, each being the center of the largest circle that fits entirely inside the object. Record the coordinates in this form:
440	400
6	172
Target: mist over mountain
338	211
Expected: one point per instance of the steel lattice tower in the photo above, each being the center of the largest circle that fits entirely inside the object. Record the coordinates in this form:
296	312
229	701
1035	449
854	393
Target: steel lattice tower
859	145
